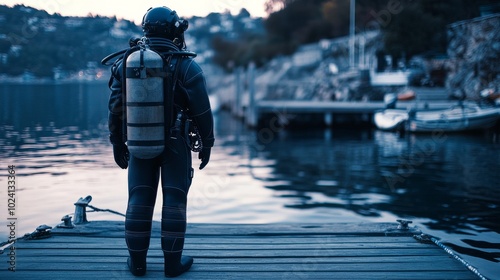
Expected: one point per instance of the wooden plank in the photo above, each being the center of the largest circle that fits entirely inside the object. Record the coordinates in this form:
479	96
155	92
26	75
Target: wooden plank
157	258
309	239
316	252
116	229
155	244
283	267
222	275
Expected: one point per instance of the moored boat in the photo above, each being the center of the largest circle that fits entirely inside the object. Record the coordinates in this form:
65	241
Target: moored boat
391	119
462	117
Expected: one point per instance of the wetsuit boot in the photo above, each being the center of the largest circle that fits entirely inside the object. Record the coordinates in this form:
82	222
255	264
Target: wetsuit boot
138	249
136	269
173	232
137	235
176	264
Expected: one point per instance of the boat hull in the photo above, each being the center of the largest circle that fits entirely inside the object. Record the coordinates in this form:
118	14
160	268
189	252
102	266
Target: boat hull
390	119
454	120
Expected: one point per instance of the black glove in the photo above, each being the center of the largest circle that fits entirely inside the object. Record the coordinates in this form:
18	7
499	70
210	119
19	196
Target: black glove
120	152
204	155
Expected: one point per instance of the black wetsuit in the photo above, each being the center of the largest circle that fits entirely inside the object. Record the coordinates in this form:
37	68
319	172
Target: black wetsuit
173	165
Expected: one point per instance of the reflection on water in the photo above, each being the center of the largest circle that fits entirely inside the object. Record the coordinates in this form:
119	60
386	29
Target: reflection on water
80	105
56	136
451	179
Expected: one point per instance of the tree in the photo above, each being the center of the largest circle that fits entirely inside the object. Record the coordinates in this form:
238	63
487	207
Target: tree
421	26
276	5
4	45
295	21
411	32
336	13
244	13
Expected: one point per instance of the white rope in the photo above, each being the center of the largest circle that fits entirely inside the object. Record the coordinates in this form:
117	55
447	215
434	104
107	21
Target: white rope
455	256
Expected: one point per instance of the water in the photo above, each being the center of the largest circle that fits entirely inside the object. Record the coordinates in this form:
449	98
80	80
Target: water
56	136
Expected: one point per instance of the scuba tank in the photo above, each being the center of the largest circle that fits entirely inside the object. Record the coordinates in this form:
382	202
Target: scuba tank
145	103
148	92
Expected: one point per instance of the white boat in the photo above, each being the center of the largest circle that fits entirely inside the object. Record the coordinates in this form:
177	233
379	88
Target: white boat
456	118
391	119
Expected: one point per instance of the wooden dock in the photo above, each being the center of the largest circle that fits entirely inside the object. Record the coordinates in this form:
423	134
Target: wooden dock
429	98
349	107
97	250
330	108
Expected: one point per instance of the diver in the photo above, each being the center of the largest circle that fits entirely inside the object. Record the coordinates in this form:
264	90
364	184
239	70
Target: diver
185	105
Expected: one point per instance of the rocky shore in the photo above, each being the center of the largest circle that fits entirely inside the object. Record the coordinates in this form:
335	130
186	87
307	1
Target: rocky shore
474	56
321	71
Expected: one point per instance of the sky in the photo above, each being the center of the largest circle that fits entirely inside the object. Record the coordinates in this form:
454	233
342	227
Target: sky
134	10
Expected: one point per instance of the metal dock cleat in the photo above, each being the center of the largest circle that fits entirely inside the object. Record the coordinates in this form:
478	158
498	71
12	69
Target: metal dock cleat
41	232
403	224
403	229
66	222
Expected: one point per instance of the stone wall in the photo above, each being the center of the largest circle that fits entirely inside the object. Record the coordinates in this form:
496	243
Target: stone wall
474	52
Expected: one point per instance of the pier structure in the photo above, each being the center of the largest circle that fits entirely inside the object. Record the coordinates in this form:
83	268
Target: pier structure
247	106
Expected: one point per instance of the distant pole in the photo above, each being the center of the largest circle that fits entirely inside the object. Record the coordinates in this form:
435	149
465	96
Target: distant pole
239	92
251	114
362	43
352	29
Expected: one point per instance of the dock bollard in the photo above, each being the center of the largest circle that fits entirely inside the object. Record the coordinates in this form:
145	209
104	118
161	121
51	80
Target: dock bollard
403	224
66	222
41	232
81	210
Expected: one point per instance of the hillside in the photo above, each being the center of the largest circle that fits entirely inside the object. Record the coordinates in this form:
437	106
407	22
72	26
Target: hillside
34	43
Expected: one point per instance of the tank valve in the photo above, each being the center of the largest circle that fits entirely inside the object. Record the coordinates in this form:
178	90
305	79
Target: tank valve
175	130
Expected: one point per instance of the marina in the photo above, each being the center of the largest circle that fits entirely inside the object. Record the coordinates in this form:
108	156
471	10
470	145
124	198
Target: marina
260	176
368	156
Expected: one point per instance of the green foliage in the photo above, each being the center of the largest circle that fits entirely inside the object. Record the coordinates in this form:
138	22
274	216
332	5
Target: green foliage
420	26
298	22
409	27
274	5
403	36
37	42
230	53
4	45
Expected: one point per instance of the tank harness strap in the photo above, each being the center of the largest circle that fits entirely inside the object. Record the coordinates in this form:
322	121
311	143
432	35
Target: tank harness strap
169	94
105	61
180	117
176	73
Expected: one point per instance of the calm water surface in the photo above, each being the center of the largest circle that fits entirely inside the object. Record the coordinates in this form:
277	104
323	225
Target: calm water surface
56	136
